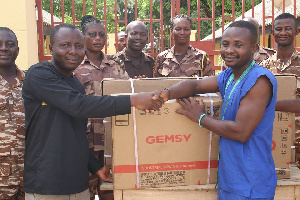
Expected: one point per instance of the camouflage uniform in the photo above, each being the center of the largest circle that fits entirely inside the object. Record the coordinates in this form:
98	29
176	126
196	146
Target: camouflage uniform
145	67
262	54
91	76
12	138
292	66
195	62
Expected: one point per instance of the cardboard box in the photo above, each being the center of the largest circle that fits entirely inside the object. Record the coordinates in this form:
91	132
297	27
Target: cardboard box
169	154
112	86
282	142
287	86
171	149
284	128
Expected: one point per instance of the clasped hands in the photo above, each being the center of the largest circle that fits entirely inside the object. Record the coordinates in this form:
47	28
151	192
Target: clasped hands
152	101
149	101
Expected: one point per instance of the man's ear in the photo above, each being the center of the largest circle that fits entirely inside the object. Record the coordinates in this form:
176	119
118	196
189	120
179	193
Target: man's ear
255	48
297	31
51	48
18	50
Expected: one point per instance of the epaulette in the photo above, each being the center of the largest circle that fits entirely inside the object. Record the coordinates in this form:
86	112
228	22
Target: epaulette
149	57
269	49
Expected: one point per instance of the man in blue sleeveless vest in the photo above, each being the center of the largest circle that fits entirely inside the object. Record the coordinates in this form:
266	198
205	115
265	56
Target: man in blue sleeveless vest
246	167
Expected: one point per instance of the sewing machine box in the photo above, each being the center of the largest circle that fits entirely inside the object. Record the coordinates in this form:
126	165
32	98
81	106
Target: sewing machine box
112	86
284	128
167	149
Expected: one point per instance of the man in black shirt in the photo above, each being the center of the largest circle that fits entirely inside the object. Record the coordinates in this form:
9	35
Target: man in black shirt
57	158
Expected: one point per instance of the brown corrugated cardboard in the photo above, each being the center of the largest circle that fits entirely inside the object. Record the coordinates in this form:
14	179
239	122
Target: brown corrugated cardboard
287	86
281	147
169	154
112	86
284	128
171	149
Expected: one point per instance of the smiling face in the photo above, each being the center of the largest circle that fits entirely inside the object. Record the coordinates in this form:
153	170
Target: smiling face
237	47
94	37
67	50
284	31
181	31
137	36
9	49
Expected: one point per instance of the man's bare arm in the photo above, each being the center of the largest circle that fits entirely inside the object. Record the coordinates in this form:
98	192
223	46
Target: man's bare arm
189	88
251	110
291	105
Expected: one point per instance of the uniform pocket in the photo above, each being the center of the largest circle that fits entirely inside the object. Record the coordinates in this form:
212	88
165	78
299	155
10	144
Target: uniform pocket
165	70
191	68
5	116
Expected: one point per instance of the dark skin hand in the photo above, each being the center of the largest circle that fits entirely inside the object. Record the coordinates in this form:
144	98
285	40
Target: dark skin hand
146	101
192	108
104	174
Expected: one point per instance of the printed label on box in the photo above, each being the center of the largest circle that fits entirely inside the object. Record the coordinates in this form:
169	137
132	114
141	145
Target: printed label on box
154	179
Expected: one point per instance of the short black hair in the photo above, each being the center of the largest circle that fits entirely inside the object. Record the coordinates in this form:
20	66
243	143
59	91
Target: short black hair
248	25
89	20
178	17
57	28
121	31
6	29
285	16
136	22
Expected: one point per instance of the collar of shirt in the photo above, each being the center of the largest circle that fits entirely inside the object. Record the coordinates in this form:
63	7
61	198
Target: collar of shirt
102	66
261	50
145	57
20	76
191	52
280	65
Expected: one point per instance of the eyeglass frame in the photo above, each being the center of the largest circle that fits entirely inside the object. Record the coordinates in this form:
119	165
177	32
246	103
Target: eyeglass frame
94	35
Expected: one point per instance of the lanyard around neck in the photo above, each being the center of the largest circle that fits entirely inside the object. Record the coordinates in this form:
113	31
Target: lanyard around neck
234	86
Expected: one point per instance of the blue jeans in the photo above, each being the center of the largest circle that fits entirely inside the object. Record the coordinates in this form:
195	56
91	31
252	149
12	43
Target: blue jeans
224	195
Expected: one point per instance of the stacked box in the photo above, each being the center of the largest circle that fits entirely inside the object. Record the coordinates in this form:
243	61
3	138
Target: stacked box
284	128
171	149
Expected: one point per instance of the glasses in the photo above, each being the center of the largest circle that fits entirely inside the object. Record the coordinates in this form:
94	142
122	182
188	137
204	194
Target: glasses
93	35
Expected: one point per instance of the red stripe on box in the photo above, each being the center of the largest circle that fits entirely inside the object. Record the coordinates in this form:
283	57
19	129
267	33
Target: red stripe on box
120	169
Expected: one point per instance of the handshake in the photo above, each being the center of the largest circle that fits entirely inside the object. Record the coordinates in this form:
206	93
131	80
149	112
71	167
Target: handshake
150	101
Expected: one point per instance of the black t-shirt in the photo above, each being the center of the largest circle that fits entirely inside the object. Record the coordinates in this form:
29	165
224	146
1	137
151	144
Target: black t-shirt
57	158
